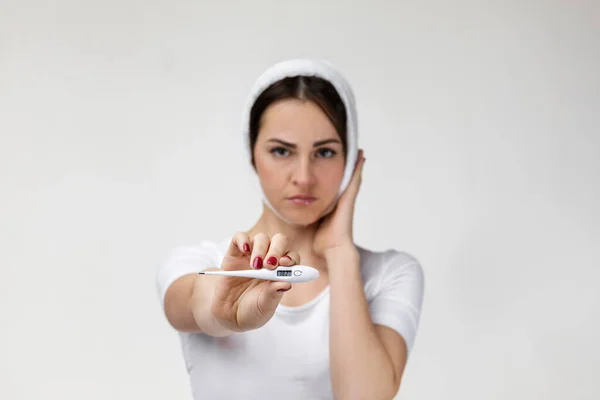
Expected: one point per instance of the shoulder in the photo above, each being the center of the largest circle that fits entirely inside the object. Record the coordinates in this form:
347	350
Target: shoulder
188	259
391	271
391	261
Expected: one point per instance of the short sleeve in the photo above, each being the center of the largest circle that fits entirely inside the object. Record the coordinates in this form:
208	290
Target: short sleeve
185	260
397	302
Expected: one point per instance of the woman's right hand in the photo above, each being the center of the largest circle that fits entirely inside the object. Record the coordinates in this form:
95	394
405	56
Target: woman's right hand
242	304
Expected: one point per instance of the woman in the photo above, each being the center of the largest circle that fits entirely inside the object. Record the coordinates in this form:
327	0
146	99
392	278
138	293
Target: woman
345	335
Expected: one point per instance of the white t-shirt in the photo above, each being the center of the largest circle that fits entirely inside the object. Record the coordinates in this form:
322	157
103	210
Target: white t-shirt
288	358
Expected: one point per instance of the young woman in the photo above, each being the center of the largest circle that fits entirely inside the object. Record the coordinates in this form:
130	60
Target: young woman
345	335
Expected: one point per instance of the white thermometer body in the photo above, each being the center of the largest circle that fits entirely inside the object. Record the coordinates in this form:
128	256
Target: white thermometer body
293	274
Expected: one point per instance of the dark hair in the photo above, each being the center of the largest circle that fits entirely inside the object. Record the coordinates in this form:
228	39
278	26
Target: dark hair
309	88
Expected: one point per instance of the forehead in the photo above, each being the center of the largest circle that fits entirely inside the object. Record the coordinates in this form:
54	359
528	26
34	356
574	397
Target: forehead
296	120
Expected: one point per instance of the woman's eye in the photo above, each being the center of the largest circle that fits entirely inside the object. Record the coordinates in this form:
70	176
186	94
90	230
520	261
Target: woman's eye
325	153
279	151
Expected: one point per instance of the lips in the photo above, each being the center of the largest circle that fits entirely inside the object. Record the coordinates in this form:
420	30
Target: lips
302	199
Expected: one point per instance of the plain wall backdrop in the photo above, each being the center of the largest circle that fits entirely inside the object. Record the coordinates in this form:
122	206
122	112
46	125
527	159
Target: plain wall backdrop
119	124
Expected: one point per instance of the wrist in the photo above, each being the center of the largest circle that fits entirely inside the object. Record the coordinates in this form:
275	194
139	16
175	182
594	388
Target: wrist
347	252
343	265
202	307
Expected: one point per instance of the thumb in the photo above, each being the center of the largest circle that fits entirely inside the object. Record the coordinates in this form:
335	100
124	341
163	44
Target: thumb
272	295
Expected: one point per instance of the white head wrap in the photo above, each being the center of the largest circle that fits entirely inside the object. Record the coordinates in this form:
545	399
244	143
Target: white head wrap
307	67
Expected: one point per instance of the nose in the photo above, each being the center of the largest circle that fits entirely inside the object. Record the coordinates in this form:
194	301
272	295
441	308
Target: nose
303	174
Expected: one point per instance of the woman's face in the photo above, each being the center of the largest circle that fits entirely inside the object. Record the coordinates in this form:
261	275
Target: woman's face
299	159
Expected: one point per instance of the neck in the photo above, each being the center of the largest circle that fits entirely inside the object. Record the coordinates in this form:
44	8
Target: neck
300	237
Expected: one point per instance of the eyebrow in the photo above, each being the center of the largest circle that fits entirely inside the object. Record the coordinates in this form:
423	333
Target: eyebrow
315	144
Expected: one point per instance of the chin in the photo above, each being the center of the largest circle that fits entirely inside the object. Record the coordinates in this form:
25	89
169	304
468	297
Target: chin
302	216
304	219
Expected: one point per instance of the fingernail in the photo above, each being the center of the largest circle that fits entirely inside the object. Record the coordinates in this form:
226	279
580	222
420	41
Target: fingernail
246	247
257	263
272	261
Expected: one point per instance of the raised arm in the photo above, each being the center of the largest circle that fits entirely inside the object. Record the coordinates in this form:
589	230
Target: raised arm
367	361
371	340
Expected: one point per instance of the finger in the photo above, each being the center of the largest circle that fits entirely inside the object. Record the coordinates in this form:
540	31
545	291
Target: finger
260	246
241	240
352	189
357	173
240	244
291	258
277	249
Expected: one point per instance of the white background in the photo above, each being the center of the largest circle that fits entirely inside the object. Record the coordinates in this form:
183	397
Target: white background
480	120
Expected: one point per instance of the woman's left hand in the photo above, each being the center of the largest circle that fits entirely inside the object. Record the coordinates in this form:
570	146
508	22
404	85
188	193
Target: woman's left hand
335	230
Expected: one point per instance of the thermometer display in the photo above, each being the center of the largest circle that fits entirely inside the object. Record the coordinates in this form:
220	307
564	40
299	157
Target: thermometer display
284	272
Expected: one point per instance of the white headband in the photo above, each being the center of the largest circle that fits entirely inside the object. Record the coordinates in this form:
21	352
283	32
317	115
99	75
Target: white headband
306	67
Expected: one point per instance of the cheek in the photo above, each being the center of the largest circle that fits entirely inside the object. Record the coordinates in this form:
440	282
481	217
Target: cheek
268	173
333	175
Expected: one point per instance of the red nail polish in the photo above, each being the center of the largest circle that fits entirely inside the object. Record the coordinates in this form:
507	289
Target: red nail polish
257	263
246	247
272	261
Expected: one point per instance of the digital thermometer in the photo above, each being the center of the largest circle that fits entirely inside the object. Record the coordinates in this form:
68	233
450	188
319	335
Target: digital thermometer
293	274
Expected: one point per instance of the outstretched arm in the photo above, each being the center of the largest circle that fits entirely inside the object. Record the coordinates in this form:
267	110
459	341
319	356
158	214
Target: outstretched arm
188	302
